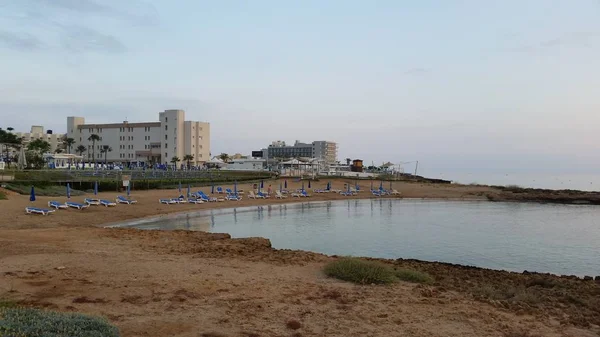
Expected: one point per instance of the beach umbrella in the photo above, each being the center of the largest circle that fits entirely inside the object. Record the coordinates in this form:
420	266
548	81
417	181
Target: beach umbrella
303	186
381	185
309	184
390	185
128	189
348	186
280	188
258	187
235	187
212	188
68	191
285	184
32	194
357	187
188	191
95	187
180	187
371	185
262	184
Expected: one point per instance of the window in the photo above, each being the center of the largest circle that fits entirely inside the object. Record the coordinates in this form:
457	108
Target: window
166	127
165	137
166	145
200	146
165	155
166	120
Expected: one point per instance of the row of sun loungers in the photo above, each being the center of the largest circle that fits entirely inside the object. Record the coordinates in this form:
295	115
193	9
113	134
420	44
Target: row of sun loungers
87	202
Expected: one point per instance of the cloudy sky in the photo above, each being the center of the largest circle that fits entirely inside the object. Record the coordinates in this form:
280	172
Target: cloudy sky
458	85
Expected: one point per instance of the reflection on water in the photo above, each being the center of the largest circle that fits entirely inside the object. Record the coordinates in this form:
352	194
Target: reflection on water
562	239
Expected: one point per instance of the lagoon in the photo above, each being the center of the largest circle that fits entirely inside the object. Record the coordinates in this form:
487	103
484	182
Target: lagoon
560	239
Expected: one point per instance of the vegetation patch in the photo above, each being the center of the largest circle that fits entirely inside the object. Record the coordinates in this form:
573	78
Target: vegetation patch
2	195
370	272
413	276
25	322
44	190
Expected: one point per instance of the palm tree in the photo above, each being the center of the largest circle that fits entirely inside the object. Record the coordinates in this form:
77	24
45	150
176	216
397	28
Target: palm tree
224	157
94	138
188	158
80	149
105	149
348	160
69	144
10	129
175	160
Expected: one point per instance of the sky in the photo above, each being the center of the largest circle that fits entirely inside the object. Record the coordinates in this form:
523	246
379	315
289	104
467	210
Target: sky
460	85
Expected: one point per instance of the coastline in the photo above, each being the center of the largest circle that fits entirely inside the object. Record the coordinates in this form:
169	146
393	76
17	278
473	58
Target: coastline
149	282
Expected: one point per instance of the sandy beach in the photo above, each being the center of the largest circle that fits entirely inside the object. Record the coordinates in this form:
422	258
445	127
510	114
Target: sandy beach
152	283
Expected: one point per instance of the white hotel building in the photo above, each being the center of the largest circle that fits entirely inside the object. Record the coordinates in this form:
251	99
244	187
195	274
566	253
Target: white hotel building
148	142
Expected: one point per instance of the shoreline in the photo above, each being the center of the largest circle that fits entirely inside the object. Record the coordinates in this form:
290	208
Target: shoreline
149	282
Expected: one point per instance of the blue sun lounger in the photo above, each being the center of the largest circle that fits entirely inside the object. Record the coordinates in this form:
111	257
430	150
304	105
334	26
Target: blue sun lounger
92	202
233	197
169	201
220	190
107	203
195	201
122	200
57	205
76	205
35	210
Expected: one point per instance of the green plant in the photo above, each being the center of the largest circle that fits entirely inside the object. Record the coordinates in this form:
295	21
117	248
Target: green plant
360	271
81	149
413	276
2	195
25	322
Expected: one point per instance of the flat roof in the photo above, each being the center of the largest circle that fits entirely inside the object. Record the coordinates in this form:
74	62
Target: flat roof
120	125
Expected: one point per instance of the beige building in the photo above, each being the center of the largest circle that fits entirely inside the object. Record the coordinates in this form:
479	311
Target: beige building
147	142
37	132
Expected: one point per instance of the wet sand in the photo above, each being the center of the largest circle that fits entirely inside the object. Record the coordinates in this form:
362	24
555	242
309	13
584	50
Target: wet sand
152	283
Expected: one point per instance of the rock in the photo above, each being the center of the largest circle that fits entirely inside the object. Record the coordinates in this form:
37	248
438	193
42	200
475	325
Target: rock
60	268
525	272
587	278
597	278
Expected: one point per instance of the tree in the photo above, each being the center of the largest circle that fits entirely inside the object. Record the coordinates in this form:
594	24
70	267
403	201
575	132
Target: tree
348	160
94	138
175	160
188	158
9	140
224	157
69	144
80	149
36	149
105	149
10	129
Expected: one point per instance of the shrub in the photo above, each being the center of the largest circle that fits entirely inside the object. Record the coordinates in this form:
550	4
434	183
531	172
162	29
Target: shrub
2	195
413	276
360	271
23	322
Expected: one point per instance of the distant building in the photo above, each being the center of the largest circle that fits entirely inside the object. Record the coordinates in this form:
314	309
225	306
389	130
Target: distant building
37	132
322	150
146	142
250	164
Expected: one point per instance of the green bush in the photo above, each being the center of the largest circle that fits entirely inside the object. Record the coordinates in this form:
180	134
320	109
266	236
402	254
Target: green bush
360	271
370	272
413	276
2	195
23	322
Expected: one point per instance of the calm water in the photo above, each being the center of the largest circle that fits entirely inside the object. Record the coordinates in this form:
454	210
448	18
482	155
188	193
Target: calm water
561	239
